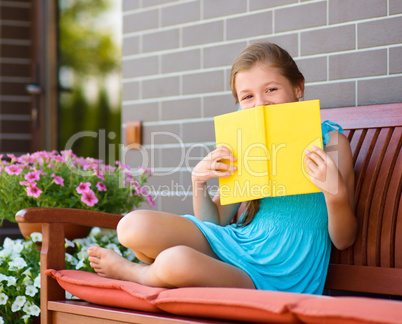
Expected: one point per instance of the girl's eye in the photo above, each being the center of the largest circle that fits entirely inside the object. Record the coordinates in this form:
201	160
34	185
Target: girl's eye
271	90
246	97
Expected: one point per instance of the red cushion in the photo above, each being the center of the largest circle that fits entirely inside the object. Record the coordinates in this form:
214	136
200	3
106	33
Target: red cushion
348	310
104	291
247	305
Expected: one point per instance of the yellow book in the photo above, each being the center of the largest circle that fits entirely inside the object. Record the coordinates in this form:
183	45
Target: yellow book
269	143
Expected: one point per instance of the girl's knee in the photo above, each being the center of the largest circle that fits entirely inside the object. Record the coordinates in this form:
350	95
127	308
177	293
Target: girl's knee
133	228
173	264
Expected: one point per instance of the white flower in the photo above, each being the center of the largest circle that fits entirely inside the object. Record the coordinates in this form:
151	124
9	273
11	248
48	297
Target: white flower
113	247
36	237
17	263
71	259
129	255
37	281
80	264
1	320
3	299
31	290
68	243
95	231
18	303
82	254
26	318
3	277
11	281
31	309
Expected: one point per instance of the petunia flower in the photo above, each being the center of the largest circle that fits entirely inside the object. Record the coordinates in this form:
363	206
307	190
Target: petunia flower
34	191
83	187
88	197
33	176
27	183
13	169
58	180
101	186
18	303
3	299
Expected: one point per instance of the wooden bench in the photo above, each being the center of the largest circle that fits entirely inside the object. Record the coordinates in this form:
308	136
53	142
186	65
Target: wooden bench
373	265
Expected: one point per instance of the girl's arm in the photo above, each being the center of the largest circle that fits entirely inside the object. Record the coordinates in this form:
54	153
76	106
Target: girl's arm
332	172
212	166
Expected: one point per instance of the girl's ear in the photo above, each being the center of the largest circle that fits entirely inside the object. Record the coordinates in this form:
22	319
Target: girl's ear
300	90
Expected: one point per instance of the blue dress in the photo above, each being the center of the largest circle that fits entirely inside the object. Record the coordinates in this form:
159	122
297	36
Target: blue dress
285	248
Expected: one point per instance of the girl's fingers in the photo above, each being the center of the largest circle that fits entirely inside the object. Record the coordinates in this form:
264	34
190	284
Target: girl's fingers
315	156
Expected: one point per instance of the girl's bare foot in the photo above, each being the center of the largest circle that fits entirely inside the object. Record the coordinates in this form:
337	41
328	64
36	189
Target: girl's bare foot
107	263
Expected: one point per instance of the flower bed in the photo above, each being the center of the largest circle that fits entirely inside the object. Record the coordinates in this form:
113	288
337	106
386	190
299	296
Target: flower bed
20	271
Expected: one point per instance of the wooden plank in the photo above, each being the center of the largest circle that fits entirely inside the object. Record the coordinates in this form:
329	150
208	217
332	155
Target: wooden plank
388	115
365	279
88	311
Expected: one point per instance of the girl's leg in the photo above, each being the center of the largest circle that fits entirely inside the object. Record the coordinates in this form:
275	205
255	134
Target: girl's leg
178	266
148	233
178	253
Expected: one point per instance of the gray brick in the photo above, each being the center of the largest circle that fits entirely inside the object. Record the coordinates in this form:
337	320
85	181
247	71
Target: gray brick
158	41
221	55
143	112
177	205
313	69
358	64
328	40
249	26
181	13
174	158
140	67
199	132
332	95
162	134
214	8
161	87
131	45
183	108
395	7
395	60
194	154
264	4
379	91
203	33
148	158
289	42
131	91
348	10
140	21
149	3
181	61
218	105
203	82
300	17
164	181
130	5
380	32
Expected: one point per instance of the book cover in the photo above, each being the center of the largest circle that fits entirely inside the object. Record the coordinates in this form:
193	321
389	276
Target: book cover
269	143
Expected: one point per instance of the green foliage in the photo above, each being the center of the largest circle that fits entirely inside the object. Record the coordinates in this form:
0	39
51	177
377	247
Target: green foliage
50	179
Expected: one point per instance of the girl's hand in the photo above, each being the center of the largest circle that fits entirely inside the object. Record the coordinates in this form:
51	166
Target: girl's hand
213	165
323	171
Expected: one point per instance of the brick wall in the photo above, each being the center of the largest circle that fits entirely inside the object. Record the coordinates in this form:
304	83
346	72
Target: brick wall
177	57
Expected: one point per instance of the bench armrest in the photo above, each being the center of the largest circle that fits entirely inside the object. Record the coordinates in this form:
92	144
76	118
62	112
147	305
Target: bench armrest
67	215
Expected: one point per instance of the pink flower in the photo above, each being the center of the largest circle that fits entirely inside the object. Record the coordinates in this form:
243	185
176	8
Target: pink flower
34	191
33	176
13	169
99	174
88	197
58	180
83	187
151	201
101	186
28	183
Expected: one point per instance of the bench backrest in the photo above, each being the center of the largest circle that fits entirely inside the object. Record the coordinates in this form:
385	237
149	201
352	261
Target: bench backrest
374	263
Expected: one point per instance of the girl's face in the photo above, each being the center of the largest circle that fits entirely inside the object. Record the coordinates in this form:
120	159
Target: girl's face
263	85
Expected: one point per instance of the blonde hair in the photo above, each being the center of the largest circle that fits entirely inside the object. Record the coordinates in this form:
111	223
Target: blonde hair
274	56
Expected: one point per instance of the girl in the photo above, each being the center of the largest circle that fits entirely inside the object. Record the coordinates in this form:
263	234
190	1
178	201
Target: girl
280	243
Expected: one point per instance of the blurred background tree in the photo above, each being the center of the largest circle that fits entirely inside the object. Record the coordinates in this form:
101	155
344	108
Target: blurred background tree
89	76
